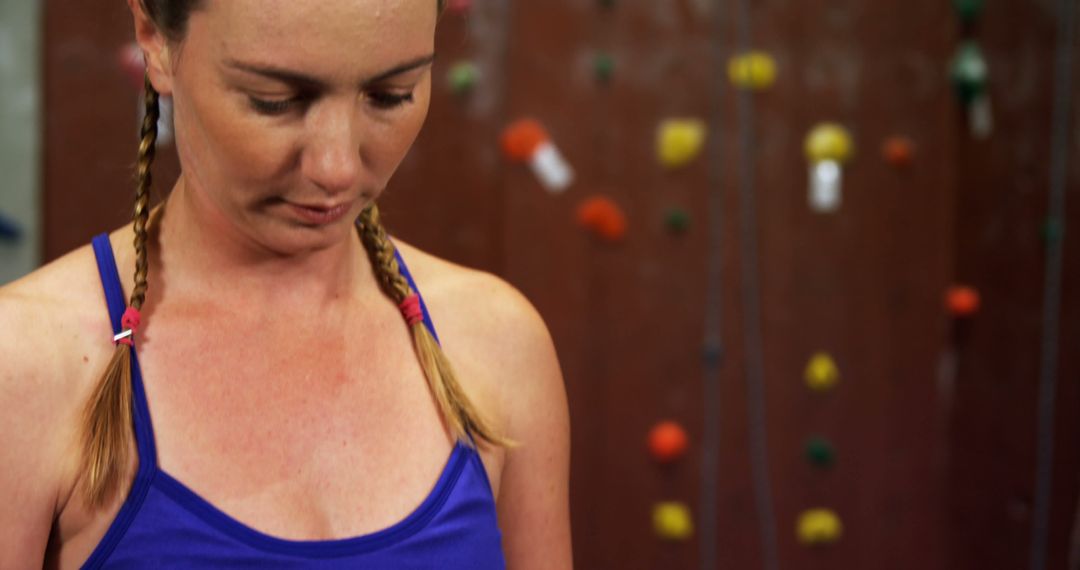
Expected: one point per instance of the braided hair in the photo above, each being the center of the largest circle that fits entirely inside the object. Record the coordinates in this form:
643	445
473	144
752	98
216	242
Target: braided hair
107	418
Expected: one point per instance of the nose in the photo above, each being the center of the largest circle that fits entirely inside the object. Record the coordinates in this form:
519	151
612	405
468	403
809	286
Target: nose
331	157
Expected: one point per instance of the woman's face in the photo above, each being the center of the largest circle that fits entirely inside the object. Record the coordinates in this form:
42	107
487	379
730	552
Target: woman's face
291	116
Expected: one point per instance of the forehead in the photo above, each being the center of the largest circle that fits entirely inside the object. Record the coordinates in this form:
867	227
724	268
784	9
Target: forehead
335	36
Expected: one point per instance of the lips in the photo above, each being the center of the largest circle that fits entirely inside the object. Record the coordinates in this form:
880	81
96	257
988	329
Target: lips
319	214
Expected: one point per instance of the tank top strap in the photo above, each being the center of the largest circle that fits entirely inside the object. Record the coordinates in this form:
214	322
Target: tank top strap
412	284
110	279
431	327
114	299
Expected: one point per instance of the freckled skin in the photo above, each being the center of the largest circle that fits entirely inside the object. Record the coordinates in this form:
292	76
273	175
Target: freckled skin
282	383
338	148
230	245
237	277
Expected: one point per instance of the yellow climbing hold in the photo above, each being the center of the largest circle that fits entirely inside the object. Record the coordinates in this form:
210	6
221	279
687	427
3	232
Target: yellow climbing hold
755	70
819	526
828	141
679	141
821	372
672	521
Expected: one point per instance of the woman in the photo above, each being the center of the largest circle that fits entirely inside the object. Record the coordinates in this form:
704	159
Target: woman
288	405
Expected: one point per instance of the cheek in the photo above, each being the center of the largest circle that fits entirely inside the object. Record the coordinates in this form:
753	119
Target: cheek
224	144
395	139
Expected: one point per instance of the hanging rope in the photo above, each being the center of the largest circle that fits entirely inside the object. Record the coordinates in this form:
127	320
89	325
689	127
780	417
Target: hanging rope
712	345
1059	143
751	300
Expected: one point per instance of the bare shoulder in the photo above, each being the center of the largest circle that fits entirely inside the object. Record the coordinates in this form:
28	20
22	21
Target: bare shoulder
45	322
505	357
51	323
486	301
490	330
51	310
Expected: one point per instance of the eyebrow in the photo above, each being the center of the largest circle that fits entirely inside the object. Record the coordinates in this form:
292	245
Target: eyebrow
306	81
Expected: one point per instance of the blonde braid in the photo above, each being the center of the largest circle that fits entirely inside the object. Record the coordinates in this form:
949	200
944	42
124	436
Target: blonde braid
107	425
461	416
107	435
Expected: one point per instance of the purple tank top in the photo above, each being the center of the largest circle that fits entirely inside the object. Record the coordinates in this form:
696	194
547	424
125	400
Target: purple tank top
164	524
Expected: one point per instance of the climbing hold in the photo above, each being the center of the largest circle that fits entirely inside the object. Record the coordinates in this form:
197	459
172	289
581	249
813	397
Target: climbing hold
603	217
677	220
822	373
827	146
970	76
755	70
667	441
521	139
679	141
828	141
819	452
818	526
969	72
962	301
526	140
825	186
462	77
898	151
603	67
672	521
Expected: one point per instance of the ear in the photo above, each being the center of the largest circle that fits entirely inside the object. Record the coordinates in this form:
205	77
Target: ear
155	48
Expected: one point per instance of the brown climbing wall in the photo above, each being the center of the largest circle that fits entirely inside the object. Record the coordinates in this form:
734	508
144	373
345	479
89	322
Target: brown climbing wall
1001	200
933	421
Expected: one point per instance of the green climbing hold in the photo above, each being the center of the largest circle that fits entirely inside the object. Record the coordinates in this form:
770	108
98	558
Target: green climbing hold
968	10
463	76
603	67
819	452
677	220
969	73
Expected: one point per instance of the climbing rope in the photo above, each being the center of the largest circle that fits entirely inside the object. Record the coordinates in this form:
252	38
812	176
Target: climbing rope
1059	142
712	346
751	301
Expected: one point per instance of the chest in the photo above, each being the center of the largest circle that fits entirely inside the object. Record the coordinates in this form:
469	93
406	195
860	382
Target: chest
299	431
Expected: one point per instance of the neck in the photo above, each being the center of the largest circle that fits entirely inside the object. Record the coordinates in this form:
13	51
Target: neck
203	252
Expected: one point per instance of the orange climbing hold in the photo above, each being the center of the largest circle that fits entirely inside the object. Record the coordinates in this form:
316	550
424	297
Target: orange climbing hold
521	139
962	301
898	151
667	441
603	217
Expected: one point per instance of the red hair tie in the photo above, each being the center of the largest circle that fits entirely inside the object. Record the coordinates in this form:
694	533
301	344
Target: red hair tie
410	309
130	323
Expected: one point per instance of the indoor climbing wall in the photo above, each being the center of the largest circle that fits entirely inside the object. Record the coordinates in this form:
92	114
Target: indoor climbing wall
795	258
1015	412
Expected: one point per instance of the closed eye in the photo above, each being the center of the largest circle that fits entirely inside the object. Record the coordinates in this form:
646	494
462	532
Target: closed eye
275	106
271	107
388	100
383	100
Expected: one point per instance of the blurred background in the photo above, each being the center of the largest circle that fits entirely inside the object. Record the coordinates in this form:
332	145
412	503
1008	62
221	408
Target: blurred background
804	262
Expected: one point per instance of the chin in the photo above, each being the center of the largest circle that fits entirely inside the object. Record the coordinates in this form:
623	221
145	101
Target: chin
291	239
